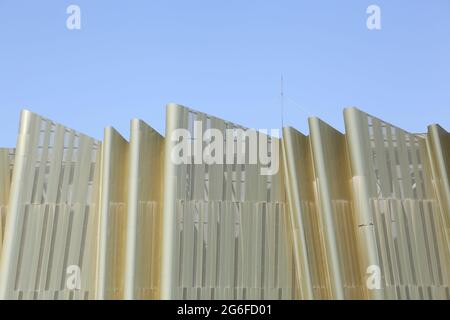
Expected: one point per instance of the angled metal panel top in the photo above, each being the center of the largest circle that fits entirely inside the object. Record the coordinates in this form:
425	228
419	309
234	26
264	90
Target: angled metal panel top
300	195
113	216
394	162
51	221
310	253
220	215
335	203
396	208
144	224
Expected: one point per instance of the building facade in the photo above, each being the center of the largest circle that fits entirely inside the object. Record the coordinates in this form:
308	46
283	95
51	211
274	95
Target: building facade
196	214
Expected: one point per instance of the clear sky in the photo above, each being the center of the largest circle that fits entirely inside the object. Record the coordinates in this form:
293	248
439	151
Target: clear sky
223	57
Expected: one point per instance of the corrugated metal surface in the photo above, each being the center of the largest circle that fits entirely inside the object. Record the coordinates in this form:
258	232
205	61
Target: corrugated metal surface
320	193
6	168
140	226
52	215
225	231
401	226
144	228
113	216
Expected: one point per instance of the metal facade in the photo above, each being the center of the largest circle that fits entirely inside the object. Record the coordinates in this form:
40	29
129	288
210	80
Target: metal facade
137	225
225	233
144	228
52	218
6	167
130	214
401	226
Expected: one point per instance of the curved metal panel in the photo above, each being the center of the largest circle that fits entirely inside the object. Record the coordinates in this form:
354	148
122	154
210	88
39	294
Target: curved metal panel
144	224
225	233
51	224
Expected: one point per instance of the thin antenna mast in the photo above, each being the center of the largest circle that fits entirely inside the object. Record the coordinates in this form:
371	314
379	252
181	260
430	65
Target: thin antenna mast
282	101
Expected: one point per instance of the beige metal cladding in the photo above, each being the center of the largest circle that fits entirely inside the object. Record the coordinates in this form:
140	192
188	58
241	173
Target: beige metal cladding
113	216
318	188
51	223
225	234
400	220
6	167
144	227
306	235
130	214
138	225
335	207
439	150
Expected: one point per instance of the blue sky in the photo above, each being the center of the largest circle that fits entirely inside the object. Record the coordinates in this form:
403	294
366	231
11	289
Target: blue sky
225	58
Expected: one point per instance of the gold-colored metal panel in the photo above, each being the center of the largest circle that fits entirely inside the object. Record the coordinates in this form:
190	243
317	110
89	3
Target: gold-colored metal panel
439	150
144	221
51	225
139	226
397	209
225	233
113	216
335	208
307	236
6	167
